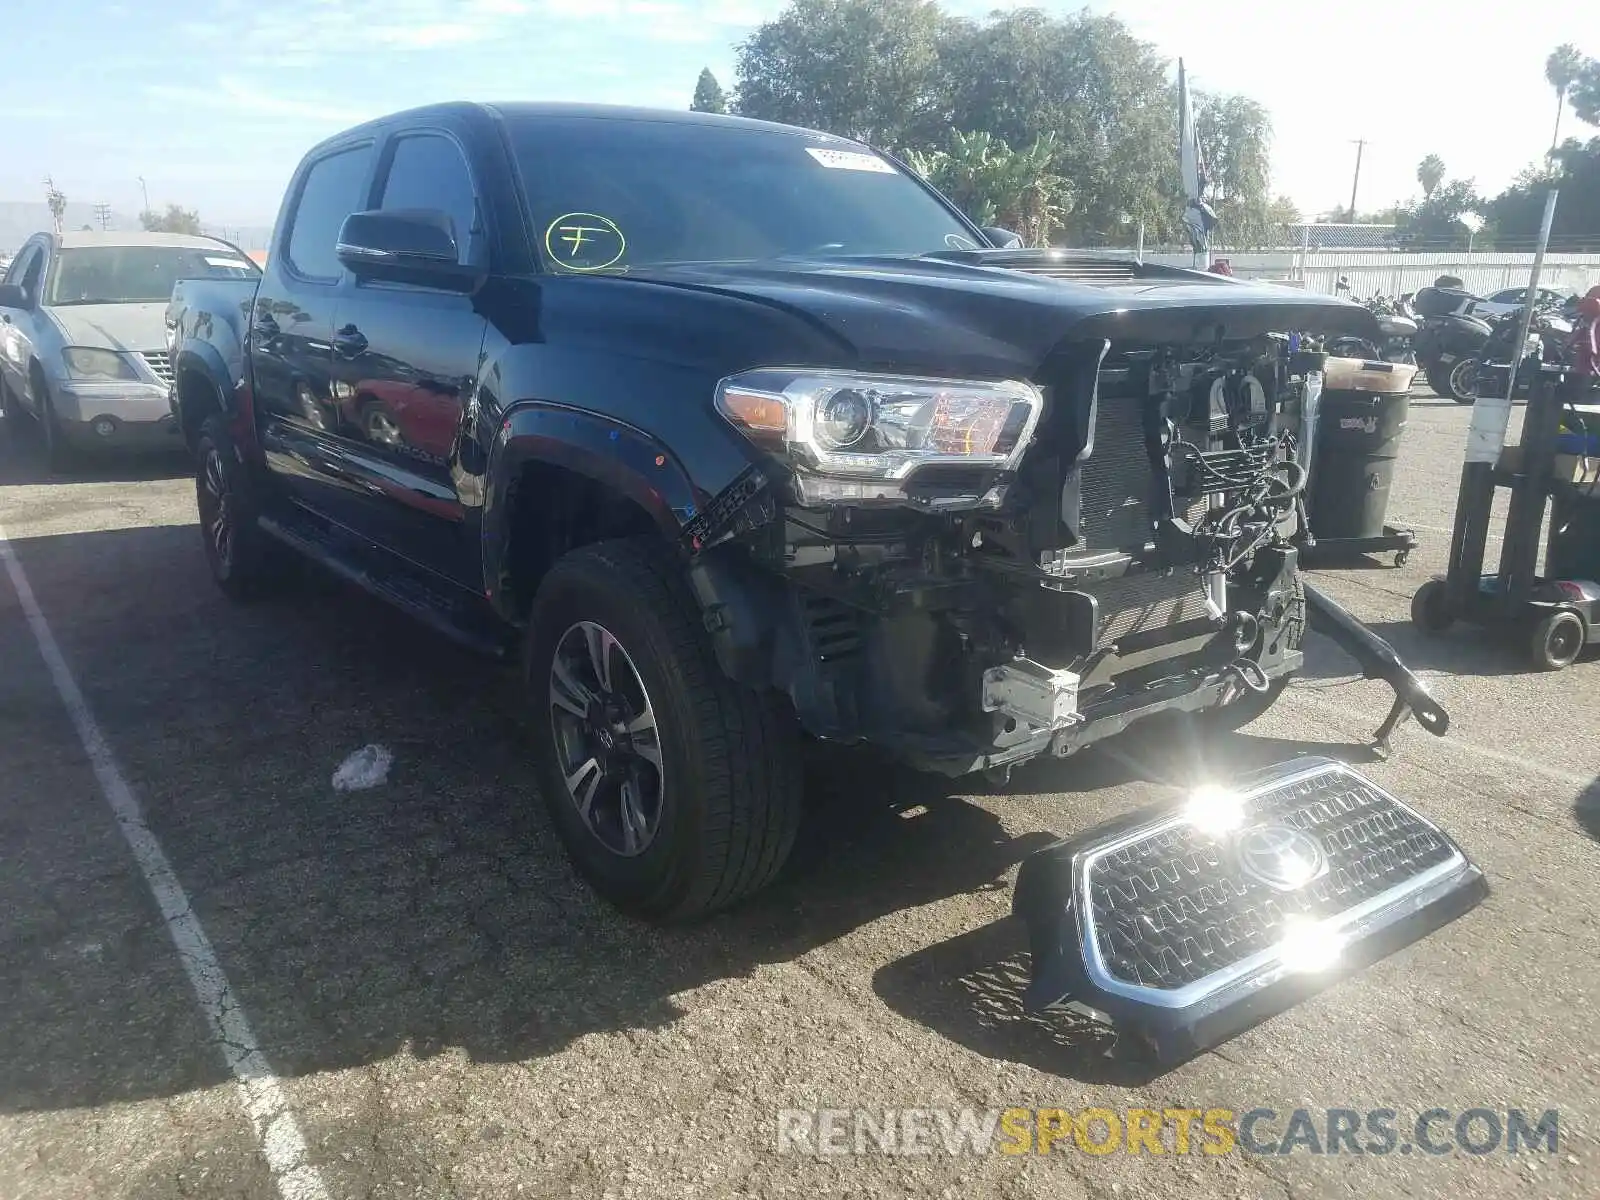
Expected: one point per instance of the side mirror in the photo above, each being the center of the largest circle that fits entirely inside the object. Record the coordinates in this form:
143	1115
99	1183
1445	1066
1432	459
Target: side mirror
413	245
12	296
1002	239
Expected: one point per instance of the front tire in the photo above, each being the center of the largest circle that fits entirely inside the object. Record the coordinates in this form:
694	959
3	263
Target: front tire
59	455
676	791
241	559
1430	607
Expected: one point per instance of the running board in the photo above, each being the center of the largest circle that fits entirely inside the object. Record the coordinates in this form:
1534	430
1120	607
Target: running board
1378	661
1186	924
375	570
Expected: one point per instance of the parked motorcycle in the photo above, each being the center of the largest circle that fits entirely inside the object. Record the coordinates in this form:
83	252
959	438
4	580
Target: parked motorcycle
1549	340
1448	349
1396	329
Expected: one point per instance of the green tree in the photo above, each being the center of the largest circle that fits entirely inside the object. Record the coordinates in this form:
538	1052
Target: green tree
708	94
175	220
865	69
1573	166
996	185
1436	220
1024	74
1430	173
1586	93
1235	140
1562	69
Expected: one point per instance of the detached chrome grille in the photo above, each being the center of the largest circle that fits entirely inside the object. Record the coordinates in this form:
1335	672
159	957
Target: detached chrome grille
1176	905
159	362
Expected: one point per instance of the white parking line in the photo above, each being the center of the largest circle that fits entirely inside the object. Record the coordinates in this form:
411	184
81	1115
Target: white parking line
277	1131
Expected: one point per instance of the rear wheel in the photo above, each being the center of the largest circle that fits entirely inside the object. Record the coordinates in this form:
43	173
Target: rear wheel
1557	640
1246	707
676	791
241	558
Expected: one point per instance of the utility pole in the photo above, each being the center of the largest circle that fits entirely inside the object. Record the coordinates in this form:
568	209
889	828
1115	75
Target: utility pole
57	203
103	212
1361	144
146	191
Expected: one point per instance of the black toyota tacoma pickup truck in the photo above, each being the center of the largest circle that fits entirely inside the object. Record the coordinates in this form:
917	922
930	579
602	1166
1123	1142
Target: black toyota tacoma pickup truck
734	432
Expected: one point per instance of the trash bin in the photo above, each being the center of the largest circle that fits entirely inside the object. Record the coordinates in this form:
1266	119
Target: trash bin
1358	440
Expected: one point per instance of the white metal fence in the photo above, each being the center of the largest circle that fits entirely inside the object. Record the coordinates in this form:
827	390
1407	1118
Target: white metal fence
1394	273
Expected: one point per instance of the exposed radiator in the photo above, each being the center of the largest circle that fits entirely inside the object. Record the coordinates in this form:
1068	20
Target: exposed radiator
1147	601
1116	480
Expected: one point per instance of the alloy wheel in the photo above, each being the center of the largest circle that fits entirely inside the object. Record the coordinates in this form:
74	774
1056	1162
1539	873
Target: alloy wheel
607	739
216	508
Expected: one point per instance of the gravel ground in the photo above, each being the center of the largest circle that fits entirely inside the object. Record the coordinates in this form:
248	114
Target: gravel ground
452	1014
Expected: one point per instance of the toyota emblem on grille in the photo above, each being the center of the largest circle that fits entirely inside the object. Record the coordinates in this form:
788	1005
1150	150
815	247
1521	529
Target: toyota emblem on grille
1280	857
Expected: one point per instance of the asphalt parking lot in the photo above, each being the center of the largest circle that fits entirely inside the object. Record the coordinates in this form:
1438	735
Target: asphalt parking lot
451	1014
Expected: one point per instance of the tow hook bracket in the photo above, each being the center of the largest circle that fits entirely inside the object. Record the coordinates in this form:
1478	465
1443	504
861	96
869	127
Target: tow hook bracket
1032	693
1187	923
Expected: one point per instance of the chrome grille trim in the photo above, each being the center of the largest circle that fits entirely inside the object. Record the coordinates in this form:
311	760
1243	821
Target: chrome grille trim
1265	964
159	363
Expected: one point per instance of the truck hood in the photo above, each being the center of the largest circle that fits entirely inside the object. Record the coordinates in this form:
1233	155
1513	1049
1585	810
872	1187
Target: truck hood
112	326
1001	312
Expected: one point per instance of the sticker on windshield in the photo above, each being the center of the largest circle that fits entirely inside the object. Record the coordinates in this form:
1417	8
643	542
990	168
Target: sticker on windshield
237	264
850	160
583	241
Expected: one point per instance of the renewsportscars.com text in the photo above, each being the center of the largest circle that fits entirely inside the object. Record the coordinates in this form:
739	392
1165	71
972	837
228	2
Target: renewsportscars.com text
1205	1131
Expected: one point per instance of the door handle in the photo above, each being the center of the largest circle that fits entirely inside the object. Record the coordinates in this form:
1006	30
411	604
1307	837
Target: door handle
350	342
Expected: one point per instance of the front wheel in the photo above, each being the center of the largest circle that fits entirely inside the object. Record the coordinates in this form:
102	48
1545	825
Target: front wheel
1557	640
675	791
59	455
1430	607
1462	382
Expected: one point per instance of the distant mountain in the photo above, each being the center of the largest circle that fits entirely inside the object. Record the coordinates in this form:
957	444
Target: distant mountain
21	219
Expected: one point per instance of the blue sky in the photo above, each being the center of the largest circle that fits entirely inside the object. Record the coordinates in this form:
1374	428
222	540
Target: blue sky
213	103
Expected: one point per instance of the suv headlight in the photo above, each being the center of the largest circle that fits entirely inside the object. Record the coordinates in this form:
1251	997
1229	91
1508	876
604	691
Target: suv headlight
90	364
861	429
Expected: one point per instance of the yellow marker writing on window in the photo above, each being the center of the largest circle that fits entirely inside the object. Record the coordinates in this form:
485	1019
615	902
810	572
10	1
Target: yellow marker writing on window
581	241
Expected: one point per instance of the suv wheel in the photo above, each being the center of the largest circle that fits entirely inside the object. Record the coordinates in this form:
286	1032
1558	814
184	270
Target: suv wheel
239	554
676	791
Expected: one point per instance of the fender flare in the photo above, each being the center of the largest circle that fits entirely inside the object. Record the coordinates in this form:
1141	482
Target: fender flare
204	359
612	453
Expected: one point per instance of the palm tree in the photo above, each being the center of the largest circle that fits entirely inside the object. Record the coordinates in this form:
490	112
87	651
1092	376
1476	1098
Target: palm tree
1561	71
1429	172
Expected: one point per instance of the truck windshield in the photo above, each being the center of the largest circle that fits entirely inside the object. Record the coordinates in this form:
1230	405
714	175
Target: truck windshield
138	274
608	193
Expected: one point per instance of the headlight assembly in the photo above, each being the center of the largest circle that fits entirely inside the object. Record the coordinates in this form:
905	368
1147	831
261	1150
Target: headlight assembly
102	365
864	428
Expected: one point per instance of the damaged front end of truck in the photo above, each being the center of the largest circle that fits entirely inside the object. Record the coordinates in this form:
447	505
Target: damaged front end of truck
973	575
